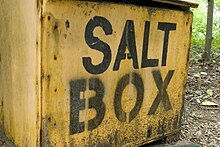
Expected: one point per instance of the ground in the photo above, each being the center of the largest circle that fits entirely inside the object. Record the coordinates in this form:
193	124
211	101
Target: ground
4	141
201	123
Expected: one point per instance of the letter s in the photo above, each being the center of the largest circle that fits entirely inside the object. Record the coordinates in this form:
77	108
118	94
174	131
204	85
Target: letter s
96	44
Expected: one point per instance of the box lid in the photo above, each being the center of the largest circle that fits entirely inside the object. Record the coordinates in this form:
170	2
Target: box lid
182	3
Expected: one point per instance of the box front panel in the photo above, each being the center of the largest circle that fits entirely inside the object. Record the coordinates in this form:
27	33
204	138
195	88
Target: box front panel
112	74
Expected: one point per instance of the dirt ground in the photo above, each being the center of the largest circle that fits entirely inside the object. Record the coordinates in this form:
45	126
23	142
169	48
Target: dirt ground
4	141
201	122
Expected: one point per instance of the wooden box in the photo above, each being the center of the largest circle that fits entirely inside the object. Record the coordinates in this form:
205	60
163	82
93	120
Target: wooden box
83	73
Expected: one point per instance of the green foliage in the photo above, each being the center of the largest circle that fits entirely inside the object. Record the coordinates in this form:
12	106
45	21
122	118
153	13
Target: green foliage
199	28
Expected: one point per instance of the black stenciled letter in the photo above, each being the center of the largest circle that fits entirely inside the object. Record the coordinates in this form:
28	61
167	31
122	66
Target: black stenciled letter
96	44
97	103
123	82
162	94
127	40
166	27
145	61
76	104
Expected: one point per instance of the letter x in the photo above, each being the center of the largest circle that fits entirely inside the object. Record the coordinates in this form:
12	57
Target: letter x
162	94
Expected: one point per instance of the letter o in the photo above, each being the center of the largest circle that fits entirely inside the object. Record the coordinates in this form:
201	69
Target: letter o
137	81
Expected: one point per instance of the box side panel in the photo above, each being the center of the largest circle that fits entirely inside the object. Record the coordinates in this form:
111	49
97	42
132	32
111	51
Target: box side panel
1	111
19	70
112	74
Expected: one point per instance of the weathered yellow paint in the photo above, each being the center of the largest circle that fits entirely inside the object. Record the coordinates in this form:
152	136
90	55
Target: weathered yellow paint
19	99
63	48
42	46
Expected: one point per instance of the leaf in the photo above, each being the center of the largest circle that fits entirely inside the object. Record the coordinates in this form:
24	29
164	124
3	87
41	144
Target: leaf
209	92
198	101
198	92
209	103
203	73
196	75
